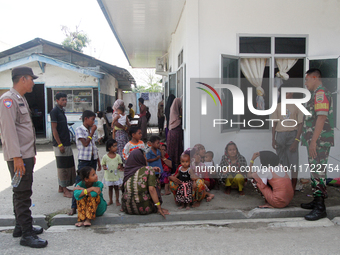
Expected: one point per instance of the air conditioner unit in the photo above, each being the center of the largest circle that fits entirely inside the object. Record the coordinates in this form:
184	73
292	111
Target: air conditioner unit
162	65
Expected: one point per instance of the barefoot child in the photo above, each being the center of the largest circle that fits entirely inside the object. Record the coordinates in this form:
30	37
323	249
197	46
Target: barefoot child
210	166
87	149
88	193
113	165
184	191
167	166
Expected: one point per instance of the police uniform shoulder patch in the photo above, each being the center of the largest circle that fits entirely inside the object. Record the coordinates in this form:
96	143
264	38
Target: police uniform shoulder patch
8	102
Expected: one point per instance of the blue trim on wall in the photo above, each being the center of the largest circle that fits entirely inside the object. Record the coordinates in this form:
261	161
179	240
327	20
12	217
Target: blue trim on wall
51	61
99	100
73	87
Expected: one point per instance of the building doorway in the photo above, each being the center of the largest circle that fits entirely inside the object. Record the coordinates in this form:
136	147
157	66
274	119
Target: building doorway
36	102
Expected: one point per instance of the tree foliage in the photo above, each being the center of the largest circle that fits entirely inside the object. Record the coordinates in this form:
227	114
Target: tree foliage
76	40
149	79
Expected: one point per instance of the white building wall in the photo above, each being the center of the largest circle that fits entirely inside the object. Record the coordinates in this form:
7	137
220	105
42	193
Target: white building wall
211	29
55	77
107	85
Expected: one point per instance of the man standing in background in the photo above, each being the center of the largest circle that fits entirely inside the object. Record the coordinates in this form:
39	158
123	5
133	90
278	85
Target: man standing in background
62	146
160	115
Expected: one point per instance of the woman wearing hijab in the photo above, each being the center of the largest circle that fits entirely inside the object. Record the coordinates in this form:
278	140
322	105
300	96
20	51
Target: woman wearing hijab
175	135
272	181
210	182
169	102
140	186
233	161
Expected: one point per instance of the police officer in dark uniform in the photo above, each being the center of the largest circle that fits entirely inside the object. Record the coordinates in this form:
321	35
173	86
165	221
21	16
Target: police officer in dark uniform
18	144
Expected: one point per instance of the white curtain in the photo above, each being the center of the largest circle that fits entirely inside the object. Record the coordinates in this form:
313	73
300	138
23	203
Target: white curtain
252	69
284	65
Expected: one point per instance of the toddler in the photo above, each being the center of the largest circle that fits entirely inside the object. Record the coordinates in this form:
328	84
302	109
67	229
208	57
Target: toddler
184	191
112	162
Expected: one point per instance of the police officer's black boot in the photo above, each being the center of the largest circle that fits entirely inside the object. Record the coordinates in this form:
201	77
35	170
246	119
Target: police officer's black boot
18	232
309	206
319	210
29	238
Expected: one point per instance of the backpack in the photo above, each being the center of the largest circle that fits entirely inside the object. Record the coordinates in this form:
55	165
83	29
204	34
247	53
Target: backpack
148	114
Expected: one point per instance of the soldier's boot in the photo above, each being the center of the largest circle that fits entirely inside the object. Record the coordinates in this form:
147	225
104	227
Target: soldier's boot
310	205
18	231
319	210
29	238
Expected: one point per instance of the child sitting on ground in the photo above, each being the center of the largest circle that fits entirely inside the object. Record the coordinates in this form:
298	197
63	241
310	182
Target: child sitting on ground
88	193
184	190
134	143
210	165
167	166
208	159
112	162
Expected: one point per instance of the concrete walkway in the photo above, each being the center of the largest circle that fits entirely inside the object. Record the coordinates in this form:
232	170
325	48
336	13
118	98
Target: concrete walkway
50	207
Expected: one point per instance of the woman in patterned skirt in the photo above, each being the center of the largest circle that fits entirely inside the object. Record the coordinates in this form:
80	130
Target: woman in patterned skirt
141	190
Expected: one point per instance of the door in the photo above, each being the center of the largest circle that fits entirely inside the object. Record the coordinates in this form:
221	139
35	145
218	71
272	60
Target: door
172	84
329	67
230	74
36	102
180	82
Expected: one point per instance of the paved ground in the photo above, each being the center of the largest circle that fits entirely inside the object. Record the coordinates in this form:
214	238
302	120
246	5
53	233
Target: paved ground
47	201
219	237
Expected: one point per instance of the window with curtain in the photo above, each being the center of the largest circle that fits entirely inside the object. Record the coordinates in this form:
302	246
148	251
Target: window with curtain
261	59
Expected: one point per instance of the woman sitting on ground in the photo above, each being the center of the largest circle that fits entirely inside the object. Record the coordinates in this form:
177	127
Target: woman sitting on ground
272	181
141	190
234	162
209	181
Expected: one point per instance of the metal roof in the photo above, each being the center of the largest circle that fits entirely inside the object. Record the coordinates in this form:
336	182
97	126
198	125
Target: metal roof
123	76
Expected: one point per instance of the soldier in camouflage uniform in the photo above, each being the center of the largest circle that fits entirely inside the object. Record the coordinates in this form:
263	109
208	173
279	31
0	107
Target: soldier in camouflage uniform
318	136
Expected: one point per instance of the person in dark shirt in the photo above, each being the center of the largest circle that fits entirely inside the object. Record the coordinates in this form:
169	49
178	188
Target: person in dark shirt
62	146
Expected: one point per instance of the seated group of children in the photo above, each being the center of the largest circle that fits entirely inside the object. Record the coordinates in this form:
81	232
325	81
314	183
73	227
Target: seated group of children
88	192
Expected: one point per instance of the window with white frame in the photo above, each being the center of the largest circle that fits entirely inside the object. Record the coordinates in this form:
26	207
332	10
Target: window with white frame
78	100
262	63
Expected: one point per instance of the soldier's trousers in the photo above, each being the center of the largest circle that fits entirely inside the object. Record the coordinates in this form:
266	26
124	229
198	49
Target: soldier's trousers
318	171
22	195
